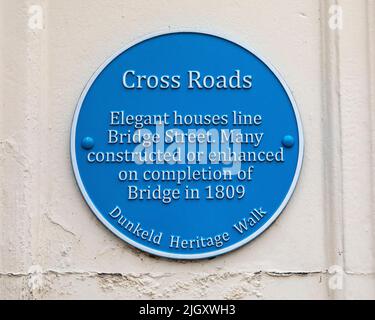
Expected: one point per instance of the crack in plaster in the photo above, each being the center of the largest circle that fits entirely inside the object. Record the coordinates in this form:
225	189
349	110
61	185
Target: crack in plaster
163	275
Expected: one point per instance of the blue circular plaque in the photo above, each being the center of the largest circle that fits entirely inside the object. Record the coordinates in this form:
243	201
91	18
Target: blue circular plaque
186	145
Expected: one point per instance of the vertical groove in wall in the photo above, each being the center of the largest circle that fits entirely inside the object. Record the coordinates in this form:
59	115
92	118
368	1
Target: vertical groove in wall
371	73
2	186
332	155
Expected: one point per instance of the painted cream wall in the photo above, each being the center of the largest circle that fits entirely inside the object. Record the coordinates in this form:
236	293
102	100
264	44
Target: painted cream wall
52	246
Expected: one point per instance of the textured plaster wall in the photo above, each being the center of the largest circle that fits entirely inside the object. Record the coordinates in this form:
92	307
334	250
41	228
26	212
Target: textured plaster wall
52	246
